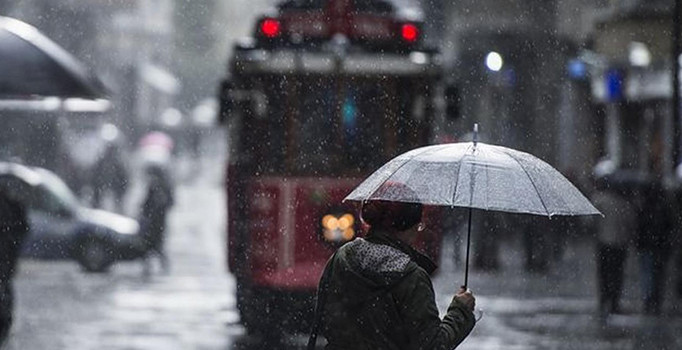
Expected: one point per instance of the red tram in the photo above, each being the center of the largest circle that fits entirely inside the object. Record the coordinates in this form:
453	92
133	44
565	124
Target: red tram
323	94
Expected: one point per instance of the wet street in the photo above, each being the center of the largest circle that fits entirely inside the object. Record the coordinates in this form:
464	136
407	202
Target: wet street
557	310
193	307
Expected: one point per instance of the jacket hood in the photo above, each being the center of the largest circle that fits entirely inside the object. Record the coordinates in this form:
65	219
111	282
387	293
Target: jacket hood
364	268
378	264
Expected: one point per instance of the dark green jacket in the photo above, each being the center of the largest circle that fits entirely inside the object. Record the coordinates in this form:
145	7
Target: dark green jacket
380	298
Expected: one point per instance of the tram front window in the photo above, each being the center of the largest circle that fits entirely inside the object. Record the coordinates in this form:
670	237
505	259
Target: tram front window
343	128
329	127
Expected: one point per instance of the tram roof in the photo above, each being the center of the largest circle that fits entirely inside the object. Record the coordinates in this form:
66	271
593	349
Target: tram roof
291	61
399	8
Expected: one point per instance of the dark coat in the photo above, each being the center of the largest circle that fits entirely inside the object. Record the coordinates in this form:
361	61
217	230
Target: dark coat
13	230
657	220
379	297
110	173
157	202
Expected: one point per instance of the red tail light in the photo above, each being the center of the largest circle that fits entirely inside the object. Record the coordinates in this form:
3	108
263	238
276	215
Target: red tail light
409	32
271	27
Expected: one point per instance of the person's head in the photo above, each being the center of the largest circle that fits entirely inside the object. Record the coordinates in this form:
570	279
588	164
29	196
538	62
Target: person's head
391	216
153	168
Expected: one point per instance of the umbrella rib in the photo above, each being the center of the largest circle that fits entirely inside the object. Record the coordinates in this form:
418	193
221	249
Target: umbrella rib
371	193
459	168
561	198
531	181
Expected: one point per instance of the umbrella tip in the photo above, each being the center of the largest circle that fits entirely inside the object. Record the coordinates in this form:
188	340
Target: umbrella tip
475	133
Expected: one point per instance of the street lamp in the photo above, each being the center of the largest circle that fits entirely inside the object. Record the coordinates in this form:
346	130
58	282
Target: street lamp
639	54
494	61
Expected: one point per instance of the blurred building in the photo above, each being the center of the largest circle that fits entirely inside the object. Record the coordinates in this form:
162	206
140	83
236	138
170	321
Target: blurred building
512	94
631	81
577	83
562	72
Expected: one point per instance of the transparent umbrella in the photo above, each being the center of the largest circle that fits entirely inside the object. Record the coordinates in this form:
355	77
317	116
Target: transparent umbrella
475	175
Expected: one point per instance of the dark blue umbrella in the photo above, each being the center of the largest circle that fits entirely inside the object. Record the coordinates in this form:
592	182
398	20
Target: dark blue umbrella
33	66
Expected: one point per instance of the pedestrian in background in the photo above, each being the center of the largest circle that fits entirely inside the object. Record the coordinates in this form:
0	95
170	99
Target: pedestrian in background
536	248
654	243
110	175
490	228
677	243
376	293
158	200
13	229
614	234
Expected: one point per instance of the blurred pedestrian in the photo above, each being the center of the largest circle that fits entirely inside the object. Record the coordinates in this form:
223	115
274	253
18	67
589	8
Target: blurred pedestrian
490	228
452	219
13	230
376	293
614	233
534	230
159	199
677	241
678	266
110	175
654	243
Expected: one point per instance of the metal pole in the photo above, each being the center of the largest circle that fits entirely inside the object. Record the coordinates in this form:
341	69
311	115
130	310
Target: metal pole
466	270
676	48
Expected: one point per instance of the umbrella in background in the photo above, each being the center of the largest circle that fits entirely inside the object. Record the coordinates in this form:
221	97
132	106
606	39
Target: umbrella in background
33	66
155	148
475	175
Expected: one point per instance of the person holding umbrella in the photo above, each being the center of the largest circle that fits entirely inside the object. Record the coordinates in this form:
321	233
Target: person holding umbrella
376	293
472	175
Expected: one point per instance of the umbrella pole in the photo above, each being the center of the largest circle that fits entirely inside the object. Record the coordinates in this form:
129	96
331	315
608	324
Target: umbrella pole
466	269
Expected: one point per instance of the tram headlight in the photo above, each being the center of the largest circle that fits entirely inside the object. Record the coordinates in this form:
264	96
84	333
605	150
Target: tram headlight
338	229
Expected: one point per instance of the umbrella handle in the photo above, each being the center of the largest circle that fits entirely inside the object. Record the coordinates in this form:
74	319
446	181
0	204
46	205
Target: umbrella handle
466	269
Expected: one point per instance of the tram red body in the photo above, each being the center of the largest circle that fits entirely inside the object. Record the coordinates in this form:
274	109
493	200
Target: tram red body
324	97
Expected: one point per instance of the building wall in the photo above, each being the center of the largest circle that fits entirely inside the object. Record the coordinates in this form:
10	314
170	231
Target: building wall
516	106
644	108
532	104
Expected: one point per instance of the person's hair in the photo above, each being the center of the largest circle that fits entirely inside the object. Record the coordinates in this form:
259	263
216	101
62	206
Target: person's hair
390	215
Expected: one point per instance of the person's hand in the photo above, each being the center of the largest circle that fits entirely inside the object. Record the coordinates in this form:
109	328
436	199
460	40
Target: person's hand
467	298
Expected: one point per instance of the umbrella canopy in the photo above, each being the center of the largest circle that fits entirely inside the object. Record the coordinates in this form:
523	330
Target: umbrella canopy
475	175
35	66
